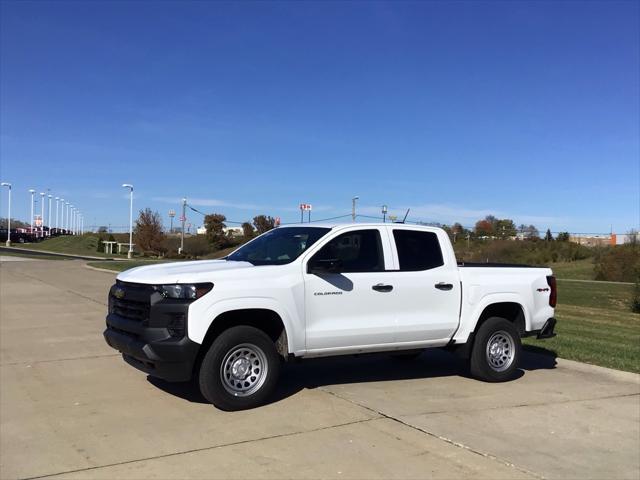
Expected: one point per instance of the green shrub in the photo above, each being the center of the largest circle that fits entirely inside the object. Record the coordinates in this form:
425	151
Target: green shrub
618	264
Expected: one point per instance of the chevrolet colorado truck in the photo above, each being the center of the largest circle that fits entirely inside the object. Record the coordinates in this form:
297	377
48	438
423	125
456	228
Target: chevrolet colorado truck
321	290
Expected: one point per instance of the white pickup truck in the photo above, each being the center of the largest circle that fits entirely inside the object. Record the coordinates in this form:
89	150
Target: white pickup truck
321	290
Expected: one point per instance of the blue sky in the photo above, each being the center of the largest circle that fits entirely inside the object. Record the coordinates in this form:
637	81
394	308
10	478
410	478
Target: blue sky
527	110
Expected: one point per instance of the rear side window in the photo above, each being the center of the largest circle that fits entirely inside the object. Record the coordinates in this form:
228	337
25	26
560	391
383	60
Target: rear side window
417	250
359	251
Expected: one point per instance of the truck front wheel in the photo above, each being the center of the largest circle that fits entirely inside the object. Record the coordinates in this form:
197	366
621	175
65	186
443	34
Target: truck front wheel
496	351
240	370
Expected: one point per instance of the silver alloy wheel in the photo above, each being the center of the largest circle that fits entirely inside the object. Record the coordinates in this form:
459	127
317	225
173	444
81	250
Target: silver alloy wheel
500	351
244	370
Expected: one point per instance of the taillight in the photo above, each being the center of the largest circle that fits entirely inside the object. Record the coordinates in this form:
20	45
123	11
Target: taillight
553	294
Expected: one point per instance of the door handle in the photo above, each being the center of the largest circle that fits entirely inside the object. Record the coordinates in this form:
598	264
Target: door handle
381	287
444	286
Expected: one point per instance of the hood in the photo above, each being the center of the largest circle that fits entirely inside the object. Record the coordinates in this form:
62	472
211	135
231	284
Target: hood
180	272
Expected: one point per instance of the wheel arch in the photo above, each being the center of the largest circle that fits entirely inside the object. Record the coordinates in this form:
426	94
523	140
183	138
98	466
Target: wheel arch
265	319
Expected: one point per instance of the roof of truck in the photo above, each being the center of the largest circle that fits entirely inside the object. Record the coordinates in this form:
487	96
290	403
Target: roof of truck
358	224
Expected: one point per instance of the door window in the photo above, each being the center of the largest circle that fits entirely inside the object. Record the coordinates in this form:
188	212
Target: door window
417	250
358	251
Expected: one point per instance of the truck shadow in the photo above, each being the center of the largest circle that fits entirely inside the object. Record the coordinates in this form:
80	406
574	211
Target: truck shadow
313	373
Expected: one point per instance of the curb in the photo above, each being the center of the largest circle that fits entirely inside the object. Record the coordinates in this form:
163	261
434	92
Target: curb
101	269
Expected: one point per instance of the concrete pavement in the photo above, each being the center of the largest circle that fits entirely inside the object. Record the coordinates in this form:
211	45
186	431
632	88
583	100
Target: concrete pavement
71	408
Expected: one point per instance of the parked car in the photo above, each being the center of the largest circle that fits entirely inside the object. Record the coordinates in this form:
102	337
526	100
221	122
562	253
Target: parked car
321	290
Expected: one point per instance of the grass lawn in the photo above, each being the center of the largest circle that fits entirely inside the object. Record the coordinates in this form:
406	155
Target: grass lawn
578	270
78	245
594	326
5	253
122	265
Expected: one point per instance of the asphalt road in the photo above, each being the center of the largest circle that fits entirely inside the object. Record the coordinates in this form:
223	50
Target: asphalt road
70	407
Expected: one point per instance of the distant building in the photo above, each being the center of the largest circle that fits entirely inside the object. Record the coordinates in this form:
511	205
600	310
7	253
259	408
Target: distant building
622	238
592	240
232	231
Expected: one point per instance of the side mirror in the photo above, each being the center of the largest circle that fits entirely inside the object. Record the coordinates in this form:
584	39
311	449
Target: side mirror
330	265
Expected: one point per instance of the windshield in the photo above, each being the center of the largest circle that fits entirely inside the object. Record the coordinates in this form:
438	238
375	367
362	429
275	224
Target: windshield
278	246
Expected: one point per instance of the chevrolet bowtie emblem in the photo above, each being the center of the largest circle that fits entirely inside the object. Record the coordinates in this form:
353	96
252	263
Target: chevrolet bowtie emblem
119	293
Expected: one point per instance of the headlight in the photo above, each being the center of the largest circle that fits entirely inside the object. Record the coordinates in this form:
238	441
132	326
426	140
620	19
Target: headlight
184	291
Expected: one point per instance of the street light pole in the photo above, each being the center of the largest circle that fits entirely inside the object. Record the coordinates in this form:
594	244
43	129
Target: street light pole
7	184
62	214
130	187
57	202
353	208
32	192
42	194
49	222
67	224
183	219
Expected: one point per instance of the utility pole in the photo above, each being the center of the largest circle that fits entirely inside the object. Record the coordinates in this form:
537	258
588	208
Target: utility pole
183	219
353	207
384	214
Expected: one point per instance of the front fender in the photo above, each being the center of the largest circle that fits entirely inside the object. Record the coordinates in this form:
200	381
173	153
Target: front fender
202	316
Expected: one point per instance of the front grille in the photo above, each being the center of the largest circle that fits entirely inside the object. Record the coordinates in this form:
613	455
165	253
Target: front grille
130	309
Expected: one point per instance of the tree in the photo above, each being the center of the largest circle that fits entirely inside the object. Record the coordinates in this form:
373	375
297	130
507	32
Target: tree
529	231
247	230
263	223
214	223
563	237
547	236
15	223
505	228
148	233
102	229
484	228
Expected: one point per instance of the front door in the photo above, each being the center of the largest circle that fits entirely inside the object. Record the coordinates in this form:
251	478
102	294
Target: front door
353	306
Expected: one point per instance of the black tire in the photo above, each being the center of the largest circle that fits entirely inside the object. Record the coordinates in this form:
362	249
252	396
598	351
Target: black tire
405	356
251	348
499	364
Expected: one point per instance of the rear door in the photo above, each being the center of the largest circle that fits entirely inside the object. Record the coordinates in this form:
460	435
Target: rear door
427	285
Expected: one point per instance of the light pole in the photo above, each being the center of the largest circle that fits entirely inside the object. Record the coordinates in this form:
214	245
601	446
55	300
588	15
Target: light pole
130	187
57	202
49	221
71	208
42	194
353	208
32	192
8	185
183	219
384	214
62	214
67	224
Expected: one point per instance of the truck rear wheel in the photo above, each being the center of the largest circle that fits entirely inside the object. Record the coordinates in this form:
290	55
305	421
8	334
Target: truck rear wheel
240	370
496	351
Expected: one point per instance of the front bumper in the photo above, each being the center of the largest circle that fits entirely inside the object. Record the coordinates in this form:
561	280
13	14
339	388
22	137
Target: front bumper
150	332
